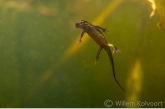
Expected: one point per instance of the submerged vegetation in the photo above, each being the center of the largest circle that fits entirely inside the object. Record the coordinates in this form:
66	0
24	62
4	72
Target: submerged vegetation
42	66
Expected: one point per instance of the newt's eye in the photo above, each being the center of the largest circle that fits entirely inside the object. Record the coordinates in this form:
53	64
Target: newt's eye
85	23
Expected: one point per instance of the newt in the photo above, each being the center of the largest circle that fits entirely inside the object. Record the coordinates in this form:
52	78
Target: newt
96	33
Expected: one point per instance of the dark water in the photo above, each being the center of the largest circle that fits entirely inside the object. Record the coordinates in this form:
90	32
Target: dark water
42	66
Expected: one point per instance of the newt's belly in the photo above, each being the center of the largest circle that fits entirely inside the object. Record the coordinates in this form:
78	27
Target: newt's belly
98	38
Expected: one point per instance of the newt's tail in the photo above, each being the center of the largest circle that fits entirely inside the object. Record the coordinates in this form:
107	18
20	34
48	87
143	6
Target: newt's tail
107	49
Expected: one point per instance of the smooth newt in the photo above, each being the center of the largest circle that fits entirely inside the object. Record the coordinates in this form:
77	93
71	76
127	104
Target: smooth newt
95	32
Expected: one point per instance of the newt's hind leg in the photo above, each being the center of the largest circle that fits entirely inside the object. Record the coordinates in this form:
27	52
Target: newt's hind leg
98	53
115	49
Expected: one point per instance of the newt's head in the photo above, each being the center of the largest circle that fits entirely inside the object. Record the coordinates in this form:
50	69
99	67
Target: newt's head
83	24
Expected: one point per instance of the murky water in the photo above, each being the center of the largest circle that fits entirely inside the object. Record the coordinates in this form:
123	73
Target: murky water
42	66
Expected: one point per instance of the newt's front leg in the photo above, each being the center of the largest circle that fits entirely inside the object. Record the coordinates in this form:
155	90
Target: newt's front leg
82	34
98	53
103	29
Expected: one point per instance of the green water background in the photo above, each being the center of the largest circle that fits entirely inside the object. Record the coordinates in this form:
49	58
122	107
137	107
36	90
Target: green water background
34	35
